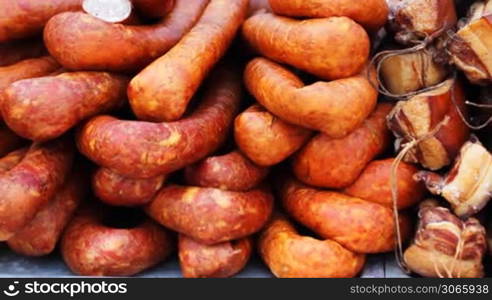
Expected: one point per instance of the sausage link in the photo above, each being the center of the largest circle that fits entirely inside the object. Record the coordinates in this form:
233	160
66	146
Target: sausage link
28	68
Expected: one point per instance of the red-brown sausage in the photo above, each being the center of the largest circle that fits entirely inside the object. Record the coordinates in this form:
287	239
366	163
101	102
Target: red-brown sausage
335	108
153	8
213	261
28	68
41	235
358	225
14	52
25	18
291	255
9	141
232	171
330	48
266	139
371	14
30	184
209	215
162	91
117	190
142	149
12	159
92	248
336	163
82	42
44	108
374	184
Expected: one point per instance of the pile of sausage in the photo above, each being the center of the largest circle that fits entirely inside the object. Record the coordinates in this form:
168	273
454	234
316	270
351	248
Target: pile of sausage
304	131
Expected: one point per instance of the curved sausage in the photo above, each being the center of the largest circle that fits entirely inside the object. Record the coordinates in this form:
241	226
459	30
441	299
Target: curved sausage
330	48
162	91
41	235
90	247
335	108
232	171
374	184
358	225
213	261
209	215
142	149
25	18
14	52
291	255
117	190
44	108
266	139
371	14
82	42
336	163
30	184
28	68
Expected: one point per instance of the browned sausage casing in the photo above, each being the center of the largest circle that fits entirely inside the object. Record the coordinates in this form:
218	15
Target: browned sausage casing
142	149
335	108
30	184
9	141
291	255
358	225
162	91
232	171
374	184
41	235
117	190
82	42
213	261
266	139
330	48
336	163
12	159
44	108
28	68
371	14
154	8
209	215
14	52
91	248
25	18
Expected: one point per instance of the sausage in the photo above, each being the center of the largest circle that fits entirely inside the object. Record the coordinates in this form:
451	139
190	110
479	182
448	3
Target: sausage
336	163
9	141
154	8
117	190
162	91
374	184
10	160
358	225
30	184
14	52
28	68
291	255
25	18
467	186
446	246
41	235
216	261
330	48
316	106
419	115
266	139
232	171
91	247
44	108
418	19
142	149
82	42
210	215
371	14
